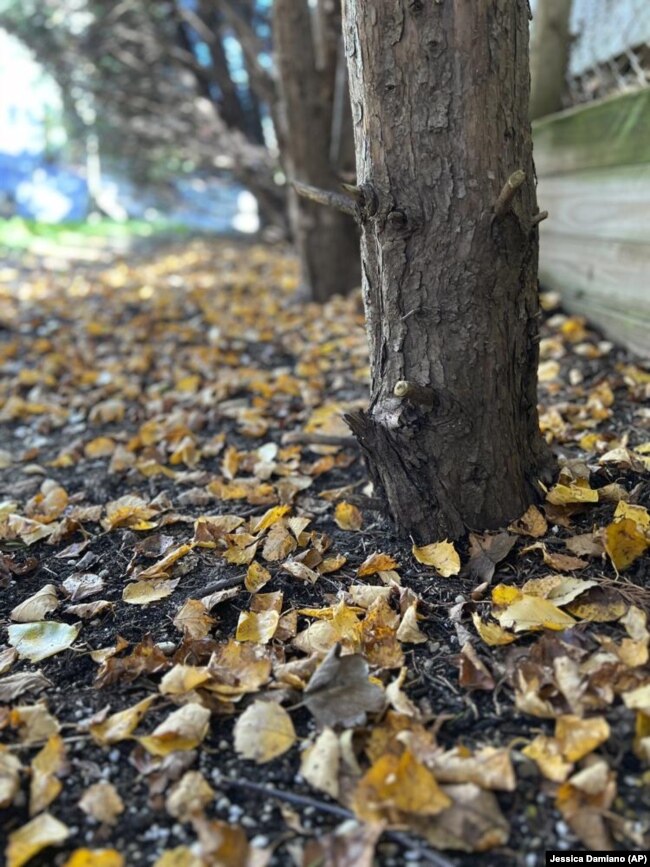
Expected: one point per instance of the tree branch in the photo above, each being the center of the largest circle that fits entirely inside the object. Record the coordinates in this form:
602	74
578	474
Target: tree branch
326	197
502	204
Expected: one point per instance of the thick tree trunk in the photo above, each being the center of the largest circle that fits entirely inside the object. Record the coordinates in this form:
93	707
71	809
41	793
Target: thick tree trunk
440	105
327	241
549	56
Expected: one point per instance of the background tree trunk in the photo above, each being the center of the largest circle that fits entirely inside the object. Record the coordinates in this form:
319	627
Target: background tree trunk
440	106
549	56
327	241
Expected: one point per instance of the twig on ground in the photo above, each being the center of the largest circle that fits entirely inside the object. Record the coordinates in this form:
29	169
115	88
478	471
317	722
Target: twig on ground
400	837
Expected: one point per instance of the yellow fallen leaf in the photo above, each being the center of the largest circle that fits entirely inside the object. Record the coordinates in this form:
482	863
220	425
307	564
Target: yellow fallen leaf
270	517
491	633
348	517
181	856
183	678
10	768
47	764
579	737
546	752
638	514
100	447
562	495
144	592
119	726
32	838
129	511
533	612
376	563
257	626
532	523
162	568
95	858
184	729
256	577
505	594
36	641
396	787
441	555
263	732
625	542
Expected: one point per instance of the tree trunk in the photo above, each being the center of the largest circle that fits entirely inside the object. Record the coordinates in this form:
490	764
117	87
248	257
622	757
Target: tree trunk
449	250
327	241
549	56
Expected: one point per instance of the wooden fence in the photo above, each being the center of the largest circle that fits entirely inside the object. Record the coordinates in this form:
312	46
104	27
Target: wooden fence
593	165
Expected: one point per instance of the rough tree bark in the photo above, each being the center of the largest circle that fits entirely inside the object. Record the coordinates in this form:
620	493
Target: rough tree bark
449	249
327	241
549	56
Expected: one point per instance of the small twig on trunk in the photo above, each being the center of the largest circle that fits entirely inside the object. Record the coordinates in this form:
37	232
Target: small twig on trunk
424	853
303	438
502	204
327	197
538	218
414	392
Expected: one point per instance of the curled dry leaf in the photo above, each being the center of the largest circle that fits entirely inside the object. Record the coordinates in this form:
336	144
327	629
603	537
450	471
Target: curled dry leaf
547	754
263	732
80	586
102	802
183	729
340	690
15	685
532	523
491	633
488	767
36	607
37	641
486	552
377	563
120	725
408	631
473	823
441	555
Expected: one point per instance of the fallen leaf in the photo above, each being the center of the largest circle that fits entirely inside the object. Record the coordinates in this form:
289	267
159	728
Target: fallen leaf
256	577
394	788
441	555
183	729
347	516
532	523
193	619
15	685
491	633
579	737
119	726
189	797
319	763
37	641
376	563
408	631
36	607
263	732
102	802
486	552
32	838
145	592
340	691
95	858
47	764
10	768
257	626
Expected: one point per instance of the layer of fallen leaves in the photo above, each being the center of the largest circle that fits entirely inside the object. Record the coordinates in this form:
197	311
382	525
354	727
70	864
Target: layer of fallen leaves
173	386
